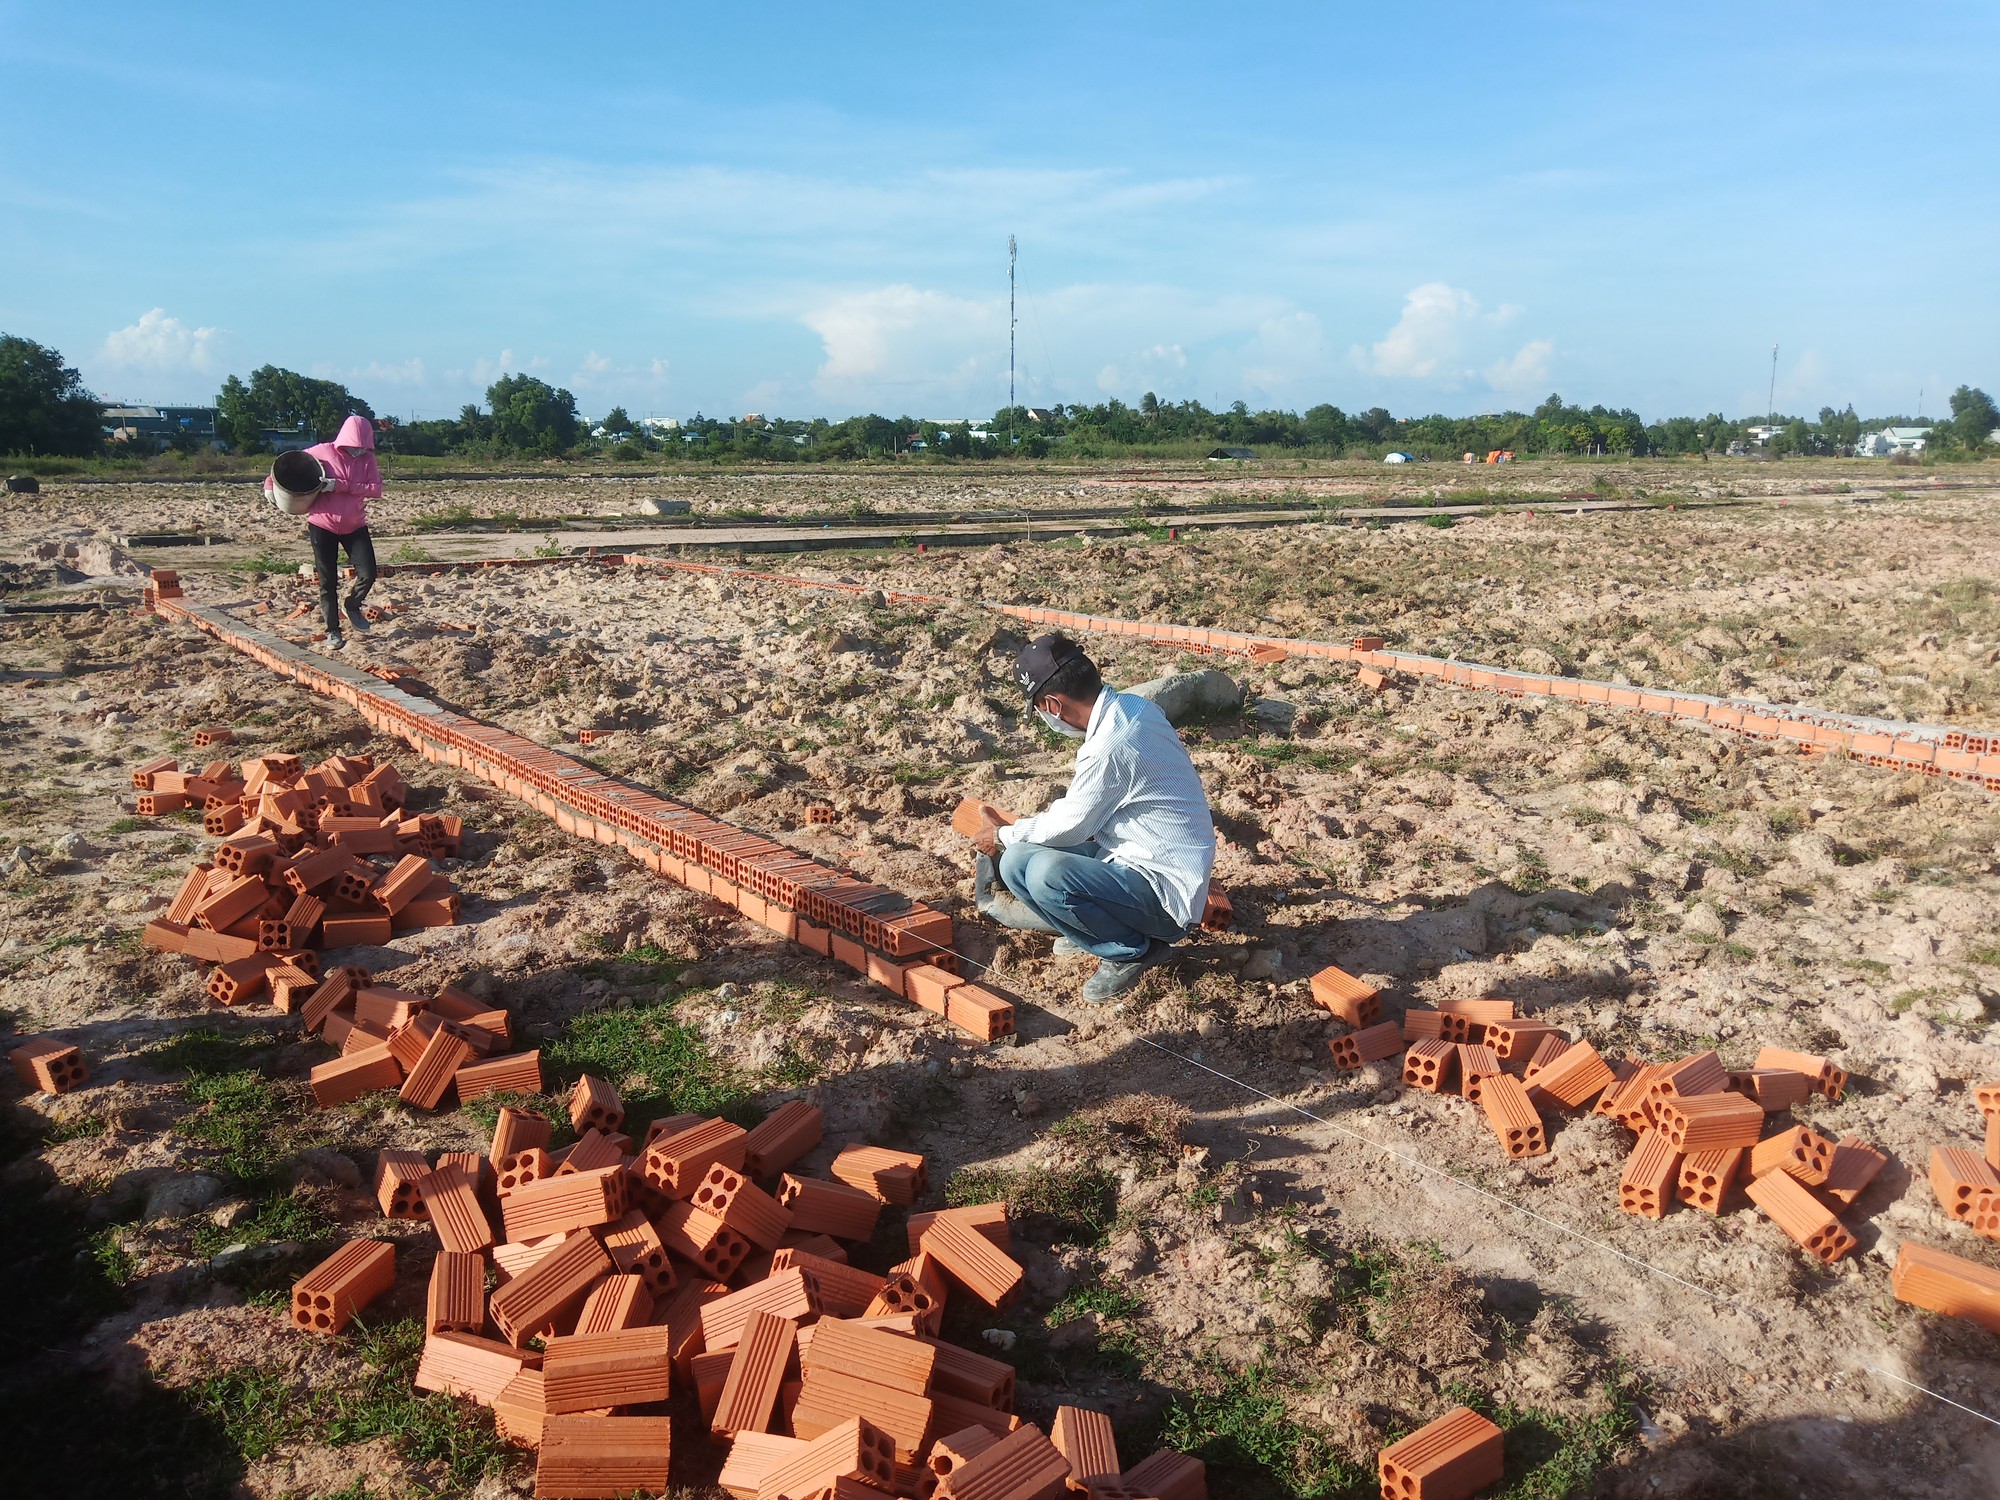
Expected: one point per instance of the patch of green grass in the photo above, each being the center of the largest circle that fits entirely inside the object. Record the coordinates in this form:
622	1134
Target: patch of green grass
1074	1205
128	825
205	1050
1786	821
257	1412
300	1218
651	1056
244	1116
426	1427
1288	752
1875	968
1441	523
1239	1423
266	561
1099	1297
109	1255
1989	955
1743	866
1553	1457
82	1128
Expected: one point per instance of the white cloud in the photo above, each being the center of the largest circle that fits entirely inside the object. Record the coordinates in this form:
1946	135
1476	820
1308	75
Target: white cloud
1428	334
1528	370
903	336
1287	351
1157	369
159	343
407	373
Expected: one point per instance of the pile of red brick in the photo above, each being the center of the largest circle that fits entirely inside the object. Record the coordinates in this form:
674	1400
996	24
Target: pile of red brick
425	1049
696	1262
309	859
1967	1184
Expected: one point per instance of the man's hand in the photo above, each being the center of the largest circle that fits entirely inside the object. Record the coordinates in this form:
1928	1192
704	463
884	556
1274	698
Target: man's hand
980	822
987	839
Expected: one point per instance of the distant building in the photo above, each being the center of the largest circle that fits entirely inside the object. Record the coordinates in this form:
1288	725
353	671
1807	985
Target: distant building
1233	453
1762	436
1891	441
1038	414
160	426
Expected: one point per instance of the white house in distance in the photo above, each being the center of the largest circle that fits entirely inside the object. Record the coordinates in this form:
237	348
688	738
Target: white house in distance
1890	441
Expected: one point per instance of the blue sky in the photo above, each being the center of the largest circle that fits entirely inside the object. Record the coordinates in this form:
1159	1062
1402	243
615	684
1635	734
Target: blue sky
804	209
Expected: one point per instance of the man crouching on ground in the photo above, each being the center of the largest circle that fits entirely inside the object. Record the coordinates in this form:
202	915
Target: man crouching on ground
1117	866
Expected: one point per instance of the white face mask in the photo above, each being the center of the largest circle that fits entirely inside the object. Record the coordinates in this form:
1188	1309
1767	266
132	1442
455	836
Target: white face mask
1068	731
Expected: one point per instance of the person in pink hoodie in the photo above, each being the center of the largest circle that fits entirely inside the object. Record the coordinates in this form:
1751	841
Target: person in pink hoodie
339	518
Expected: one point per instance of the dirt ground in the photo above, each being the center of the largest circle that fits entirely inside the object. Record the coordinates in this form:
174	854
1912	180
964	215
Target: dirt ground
1215	1268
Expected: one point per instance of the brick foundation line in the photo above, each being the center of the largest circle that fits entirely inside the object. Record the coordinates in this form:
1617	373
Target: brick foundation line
1968	755
879	933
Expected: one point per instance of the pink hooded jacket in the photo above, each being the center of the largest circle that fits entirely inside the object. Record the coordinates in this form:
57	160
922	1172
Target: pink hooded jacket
356	478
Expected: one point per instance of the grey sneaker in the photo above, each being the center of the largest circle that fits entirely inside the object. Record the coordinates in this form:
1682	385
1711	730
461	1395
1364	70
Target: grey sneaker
355	618
1066	948
335	641
999	904
1114	978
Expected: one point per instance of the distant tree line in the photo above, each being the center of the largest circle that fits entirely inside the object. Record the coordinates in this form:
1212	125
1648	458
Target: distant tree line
45	409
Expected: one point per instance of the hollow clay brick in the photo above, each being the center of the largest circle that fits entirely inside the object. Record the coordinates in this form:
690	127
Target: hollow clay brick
989	1219
1987	1097
49	1065
1355	1001
341	1285
749	1398
593	1149
588	1371
1023	1465
1826	1078
1709	1122
511	1073
1985	1215
903	1294
1428	1064
1646	1187
1466	1020
386	1006
844	1291
1948	1284
742	1205
826	1402
1993	1142
456	1302
403	884
616	1302
784	1295
1802	1216
555	1204
1452	1458
702	1238
780	1138
1957	1176
1370	1044
595	1105
452	1195
1707	1177
1421	1024
512	1259
677	1163
1516	1041
349	930
1573	1077
929	987
517	1170
852	1449
977	1010
1512	1116
348	1078
973	1378
435	1068
955	1450
553	1285
1085	1440
840	1346
1774	1089
972	817
990	1274
892	1176
1855	1165
142	776
1625	1102
635	1247
585	1456
1804	1153
397	1172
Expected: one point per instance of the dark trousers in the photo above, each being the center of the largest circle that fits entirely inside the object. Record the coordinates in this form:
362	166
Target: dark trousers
326	547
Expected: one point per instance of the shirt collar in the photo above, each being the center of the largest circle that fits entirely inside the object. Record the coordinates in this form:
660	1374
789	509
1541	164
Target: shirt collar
1098	710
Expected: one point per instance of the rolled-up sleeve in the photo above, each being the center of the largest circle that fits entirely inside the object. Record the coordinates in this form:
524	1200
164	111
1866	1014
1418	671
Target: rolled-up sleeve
1095	793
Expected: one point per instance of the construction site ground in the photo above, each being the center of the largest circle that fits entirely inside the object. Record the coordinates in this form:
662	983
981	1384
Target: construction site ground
1214	1268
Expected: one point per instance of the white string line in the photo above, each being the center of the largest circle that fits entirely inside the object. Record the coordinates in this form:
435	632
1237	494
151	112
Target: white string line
1761	1319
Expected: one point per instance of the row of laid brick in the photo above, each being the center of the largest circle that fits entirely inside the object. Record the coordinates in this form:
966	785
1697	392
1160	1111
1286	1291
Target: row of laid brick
1961	754
879	933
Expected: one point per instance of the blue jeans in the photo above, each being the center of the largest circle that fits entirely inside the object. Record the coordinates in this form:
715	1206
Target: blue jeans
1106	909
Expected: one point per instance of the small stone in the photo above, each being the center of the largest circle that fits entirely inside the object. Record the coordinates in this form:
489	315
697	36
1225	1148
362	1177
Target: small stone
726	992
229	1215
1263	963
961	1067
1077	1333
182	1194
1207	1025
320	1166
1027	1103
1000	1338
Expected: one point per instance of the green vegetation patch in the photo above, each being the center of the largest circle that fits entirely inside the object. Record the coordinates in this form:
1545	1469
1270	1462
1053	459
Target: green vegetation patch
1238	1422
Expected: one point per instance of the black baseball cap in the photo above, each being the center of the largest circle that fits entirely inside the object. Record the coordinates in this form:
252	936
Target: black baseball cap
1041	659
